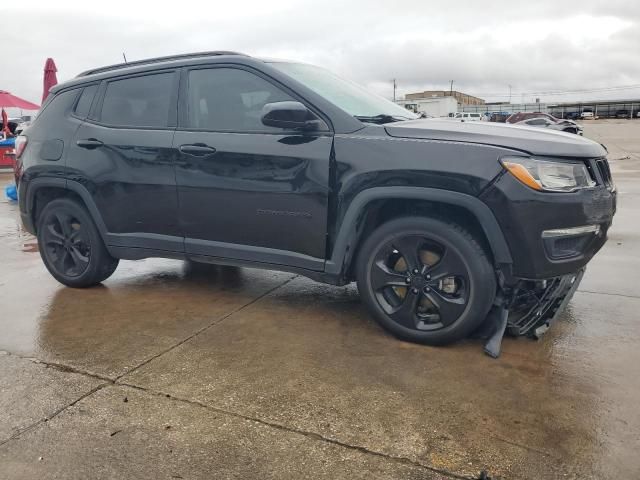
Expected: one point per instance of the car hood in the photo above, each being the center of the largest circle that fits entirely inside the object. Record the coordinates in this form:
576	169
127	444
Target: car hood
535	141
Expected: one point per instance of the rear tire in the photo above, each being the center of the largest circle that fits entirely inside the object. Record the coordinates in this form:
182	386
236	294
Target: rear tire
425	280
71	246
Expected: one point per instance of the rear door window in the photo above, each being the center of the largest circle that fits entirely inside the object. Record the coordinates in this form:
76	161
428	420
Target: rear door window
139	101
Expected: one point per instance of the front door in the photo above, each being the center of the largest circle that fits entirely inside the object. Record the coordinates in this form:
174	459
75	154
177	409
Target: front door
248	191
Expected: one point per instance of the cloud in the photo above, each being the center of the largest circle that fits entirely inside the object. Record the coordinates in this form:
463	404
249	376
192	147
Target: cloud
484	47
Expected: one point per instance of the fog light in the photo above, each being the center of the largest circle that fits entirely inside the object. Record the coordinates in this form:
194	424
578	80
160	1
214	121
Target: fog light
568	232
568	242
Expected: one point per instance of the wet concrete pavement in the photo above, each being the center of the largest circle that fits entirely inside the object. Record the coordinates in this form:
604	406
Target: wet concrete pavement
237	373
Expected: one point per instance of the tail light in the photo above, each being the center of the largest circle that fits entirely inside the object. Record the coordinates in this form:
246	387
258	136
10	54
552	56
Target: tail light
21	144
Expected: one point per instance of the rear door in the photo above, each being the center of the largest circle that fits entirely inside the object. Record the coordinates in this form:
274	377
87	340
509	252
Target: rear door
124	152
248	191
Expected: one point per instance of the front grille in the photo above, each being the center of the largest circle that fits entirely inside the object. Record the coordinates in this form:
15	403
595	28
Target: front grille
605	172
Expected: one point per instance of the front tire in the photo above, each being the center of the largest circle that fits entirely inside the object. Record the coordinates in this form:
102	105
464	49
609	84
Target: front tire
70	245
425	280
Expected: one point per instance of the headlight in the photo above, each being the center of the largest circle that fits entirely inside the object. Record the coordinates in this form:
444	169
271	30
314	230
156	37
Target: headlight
549	175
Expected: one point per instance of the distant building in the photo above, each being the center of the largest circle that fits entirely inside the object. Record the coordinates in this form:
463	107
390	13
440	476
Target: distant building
461	98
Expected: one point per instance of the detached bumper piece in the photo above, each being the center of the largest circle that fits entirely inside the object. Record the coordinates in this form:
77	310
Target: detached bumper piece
530	308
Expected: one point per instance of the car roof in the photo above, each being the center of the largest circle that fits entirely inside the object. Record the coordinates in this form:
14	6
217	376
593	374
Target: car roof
341	121
156	60
156	63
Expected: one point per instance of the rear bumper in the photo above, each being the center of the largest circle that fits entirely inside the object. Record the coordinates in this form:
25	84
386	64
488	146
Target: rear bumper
524	214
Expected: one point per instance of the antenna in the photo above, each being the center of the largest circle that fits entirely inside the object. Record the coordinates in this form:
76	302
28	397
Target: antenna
125	57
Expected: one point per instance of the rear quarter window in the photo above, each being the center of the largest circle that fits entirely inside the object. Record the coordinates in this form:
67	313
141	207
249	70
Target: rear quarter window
59	106
84	102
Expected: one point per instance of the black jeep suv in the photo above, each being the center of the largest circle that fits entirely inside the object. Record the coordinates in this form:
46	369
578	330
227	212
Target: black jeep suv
223	158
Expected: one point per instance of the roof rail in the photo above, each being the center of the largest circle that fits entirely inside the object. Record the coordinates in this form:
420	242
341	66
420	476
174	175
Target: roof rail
155	60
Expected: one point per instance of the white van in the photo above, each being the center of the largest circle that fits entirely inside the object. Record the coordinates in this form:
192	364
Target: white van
468	117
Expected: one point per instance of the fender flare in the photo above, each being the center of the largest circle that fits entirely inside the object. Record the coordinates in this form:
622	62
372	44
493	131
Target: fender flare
347	235
73	186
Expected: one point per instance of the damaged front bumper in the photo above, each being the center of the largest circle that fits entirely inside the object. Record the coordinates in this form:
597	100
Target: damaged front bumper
533	306
529	308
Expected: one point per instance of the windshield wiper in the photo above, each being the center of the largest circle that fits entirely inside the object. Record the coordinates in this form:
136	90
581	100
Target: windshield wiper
380	119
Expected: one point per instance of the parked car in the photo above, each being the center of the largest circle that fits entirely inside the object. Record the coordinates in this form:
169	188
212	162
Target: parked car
561	125
21	124
224	158
13	124
467	116
520	116
572	115
500	117
587	115
622	114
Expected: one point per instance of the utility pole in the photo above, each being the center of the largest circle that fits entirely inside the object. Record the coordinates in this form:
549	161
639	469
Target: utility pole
451	89
395	85
509	93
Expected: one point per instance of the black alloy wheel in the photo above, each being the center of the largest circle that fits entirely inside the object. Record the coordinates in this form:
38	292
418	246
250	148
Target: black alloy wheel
425	280
66	243
71	246
421	284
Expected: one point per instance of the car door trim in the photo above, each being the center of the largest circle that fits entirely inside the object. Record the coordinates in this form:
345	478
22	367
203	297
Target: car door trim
252	253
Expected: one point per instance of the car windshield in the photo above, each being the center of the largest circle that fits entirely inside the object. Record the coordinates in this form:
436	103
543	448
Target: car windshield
347	95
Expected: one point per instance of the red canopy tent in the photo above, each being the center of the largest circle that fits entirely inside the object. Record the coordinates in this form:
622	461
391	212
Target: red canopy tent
10	101
50	77
7	100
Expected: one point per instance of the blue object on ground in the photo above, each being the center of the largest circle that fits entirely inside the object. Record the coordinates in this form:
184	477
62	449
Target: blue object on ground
11	192
8	142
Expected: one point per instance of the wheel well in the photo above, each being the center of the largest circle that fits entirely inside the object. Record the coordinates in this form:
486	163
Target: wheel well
44	195
379	212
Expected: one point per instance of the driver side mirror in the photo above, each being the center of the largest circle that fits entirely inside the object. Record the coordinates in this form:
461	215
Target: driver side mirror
289	115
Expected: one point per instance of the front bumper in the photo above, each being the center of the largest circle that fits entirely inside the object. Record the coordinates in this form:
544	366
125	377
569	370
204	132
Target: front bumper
534	305
524	214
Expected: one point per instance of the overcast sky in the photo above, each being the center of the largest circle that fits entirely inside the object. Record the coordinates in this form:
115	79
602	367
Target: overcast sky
484	46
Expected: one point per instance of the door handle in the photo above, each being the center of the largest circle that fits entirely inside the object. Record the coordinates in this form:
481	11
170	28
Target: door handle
89	143
197	150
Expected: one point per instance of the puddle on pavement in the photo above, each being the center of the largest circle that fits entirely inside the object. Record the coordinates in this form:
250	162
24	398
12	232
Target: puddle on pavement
578	385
